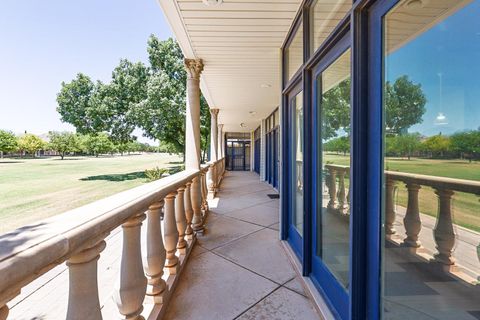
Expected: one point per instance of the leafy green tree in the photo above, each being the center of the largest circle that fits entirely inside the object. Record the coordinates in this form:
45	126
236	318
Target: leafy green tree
75	105
336	110
340	144
162	114
30	143
8	142
63	142
405	105
466	144
437	145
407	144
97	144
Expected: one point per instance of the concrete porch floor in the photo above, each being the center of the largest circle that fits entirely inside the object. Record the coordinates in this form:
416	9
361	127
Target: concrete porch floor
238	269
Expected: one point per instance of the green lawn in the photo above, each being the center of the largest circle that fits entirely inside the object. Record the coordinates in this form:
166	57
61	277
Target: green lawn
32	189
466	207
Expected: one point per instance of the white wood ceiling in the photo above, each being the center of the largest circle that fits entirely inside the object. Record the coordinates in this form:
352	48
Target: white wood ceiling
239	42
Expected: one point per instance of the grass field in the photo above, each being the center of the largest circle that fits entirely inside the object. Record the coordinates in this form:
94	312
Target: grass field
33	189
466	207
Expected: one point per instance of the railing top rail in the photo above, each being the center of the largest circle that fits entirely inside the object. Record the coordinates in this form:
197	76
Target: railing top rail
469	186
461	185
32	250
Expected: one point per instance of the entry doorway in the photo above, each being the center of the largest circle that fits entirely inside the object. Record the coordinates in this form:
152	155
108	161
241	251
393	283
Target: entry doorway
238	151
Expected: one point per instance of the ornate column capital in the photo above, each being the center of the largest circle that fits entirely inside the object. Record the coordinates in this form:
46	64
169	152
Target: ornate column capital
194	68
214	112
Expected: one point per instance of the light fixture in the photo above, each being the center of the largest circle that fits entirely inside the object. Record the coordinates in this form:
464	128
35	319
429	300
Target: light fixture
265	85
212	2
243	125
252	113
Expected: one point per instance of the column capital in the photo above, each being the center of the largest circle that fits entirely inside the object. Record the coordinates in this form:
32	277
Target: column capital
194	68
214	112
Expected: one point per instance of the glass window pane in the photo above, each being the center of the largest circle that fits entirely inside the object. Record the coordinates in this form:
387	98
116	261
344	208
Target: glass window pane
334	214
297	163
431	157
294	53
324	17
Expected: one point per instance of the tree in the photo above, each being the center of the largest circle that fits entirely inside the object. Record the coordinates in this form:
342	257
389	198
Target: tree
340	144
466	144
405	105
8	142
97	144
162	114
336	110
407	144
436	145
63	142
75	105
30	143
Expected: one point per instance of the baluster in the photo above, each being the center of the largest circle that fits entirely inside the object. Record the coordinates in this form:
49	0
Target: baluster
181	221
132	284
443	233
195	193
341	190
188	211
171	233
332	188
156	254
204	192
4	310
412	221
389	208
211	182
83	302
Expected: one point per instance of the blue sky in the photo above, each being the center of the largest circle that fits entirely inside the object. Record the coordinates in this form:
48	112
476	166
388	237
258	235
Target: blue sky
451	48
46	42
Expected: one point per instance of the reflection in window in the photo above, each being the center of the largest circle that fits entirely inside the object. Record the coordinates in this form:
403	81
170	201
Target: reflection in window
432	153
297	163
294	53
334	214
325	16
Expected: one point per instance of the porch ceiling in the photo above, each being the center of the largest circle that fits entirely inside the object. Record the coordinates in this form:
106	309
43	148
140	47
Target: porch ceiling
239	42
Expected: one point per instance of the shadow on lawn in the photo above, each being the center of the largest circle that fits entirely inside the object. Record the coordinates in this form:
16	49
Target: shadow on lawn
117	177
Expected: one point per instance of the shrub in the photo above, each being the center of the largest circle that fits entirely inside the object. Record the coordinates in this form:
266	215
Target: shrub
155	173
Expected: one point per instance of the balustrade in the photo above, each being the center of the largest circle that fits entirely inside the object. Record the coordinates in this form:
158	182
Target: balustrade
79	242
445	188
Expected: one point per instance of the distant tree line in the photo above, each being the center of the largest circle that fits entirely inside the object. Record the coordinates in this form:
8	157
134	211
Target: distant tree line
68	143
463	145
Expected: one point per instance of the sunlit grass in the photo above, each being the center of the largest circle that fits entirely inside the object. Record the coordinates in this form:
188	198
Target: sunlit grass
33	189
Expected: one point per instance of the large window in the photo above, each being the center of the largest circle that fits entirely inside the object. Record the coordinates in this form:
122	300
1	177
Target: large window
333	235
431	105
297	163
324	17
294	53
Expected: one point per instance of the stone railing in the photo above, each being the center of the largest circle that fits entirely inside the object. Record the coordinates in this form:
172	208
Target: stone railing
443	233
78	237
215	176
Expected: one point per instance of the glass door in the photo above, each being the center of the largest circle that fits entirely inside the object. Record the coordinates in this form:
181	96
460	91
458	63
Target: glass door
331	221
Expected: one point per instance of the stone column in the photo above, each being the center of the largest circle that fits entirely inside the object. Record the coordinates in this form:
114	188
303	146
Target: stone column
83	302
194	68
214	154
221	142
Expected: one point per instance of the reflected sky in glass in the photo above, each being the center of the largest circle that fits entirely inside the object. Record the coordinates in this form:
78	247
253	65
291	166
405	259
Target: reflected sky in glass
448	53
